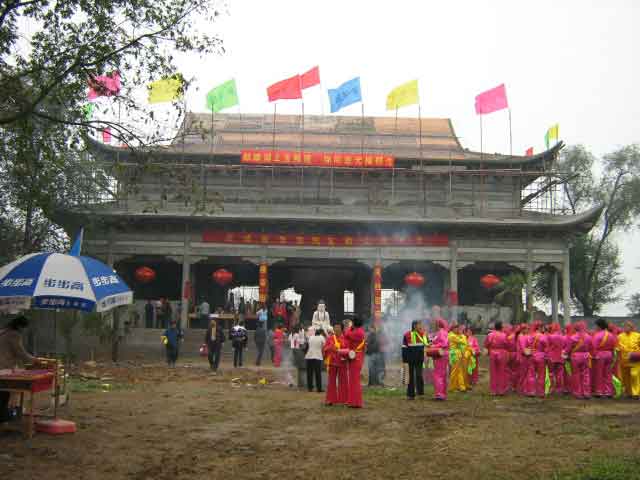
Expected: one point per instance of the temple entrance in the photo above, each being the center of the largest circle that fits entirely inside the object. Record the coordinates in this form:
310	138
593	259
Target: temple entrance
343	285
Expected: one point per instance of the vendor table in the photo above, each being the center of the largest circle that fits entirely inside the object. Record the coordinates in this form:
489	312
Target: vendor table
26	383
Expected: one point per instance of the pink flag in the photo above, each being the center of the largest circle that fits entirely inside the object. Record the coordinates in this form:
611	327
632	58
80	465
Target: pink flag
529	152
492	100
104	86
106	135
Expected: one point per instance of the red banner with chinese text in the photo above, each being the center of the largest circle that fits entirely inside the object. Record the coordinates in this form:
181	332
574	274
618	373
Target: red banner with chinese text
263	282
249	238
316	159
377	294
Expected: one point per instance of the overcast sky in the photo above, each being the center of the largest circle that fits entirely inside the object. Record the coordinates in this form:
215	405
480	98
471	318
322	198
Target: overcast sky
569	62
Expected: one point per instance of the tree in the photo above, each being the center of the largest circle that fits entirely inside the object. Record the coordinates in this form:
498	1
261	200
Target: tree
594	257
633	304
510	293
49	51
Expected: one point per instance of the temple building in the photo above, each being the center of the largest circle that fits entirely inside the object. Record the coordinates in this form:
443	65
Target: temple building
324	205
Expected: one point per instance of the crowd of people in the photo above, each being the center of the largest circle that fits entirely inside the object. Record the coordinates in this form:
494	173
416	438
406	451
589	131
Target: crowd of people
528	359
539	360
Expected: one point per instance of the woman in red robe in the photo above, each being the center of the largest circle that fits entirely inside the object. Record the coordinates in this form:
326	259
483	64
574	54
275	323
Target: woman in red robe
355	341
337	388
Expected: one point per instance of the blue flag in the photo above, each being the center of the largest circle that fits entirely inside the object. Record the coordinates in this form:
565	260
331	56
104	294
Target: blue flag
77	245
346	94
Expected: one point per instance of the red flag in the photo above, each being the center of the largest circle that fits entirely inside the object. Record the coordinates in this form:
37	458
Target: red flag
492	100
311	78
104	85
106	135
288	89
529	152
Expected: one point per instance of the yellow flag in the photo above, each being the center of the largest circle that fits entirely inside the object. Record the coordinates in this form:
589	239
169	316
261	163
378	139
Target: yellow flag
165	90
552	134
405	94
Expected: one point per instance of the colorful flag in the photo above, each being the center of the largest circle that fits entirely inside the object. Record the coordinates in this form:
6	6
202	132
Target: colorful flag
106	135
310	78
492	100
405	94
104	85
223	96
529	152
345	95
165	90
288	89
552	134
87	110
76	248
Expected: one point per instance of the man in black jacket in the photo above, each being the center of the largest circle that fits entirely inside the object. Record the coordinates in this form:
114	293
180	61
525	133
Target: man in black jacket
214	338
261	339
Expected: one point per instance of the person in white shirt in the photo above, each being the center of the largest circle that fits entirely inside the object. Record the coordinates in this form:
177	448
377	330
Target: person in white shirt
321	318
314	360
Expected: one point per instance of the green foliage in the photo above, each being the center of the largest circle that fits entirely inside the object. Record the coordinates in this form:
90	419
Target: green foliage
510	294
633	304
48	51
605	468
594	257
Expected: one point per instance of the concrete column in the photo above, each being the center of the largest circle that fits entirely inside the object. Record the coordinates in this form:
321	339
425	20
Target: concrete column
529	286
186	276
453	281
566	282
554	296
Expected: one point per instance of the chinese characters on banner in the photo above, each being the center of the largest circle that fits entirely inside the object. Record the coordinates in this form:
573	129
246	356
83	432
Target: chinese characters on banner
249	238
316	159
377	294
263	282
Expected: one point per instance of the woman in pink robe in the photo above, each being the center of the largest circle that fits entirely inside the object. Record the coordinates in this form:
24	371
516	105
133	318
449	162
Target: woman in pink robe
579	349
511	335
603	344
441	363
523	346
569	374
555	360
496	344
538	370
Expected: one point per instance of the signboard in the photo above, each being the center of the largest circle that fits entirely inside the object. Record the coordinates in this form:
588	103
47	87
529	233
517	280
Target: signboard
249	238
316	159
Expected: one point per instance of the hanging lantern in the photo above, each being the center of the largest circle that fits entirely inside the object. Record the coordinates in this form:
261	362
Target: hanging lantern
145	274
222	277
414	279
490	281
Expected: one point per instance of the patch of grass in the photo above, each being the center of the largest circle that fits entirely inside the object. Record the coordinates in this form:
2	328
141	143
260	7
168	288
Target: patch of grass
77	385
384	392
605	468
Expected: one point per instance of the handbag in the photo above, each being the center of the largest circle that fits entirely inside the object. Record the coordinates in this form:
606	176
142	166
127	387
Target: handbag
204	350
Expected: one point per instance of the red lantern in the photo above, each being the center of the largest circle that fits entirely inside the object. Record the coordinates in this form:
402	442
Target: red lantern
490	281
414	279
145	274
222	277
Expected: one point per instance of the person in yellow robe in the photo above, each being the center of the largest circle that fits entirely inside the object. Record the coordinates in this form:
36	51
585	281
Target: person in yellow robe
459	354
628	343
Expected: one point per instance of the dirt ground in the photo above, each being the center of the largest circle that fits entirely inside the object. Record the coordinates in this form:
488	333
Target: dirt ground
149	422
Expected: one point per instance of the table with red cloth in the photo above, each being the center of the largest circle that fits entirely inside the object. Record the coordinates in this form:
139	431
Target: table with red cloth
26	383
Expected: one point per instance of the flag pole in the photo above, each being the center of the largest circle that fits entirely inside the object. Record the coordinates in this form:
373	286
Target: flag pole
481	150
273	145
510	135
362	129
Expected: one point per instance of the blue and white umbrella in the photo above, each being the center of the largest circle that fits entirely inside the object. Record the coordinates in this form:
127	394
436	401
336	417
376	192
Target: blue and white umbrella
58	280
